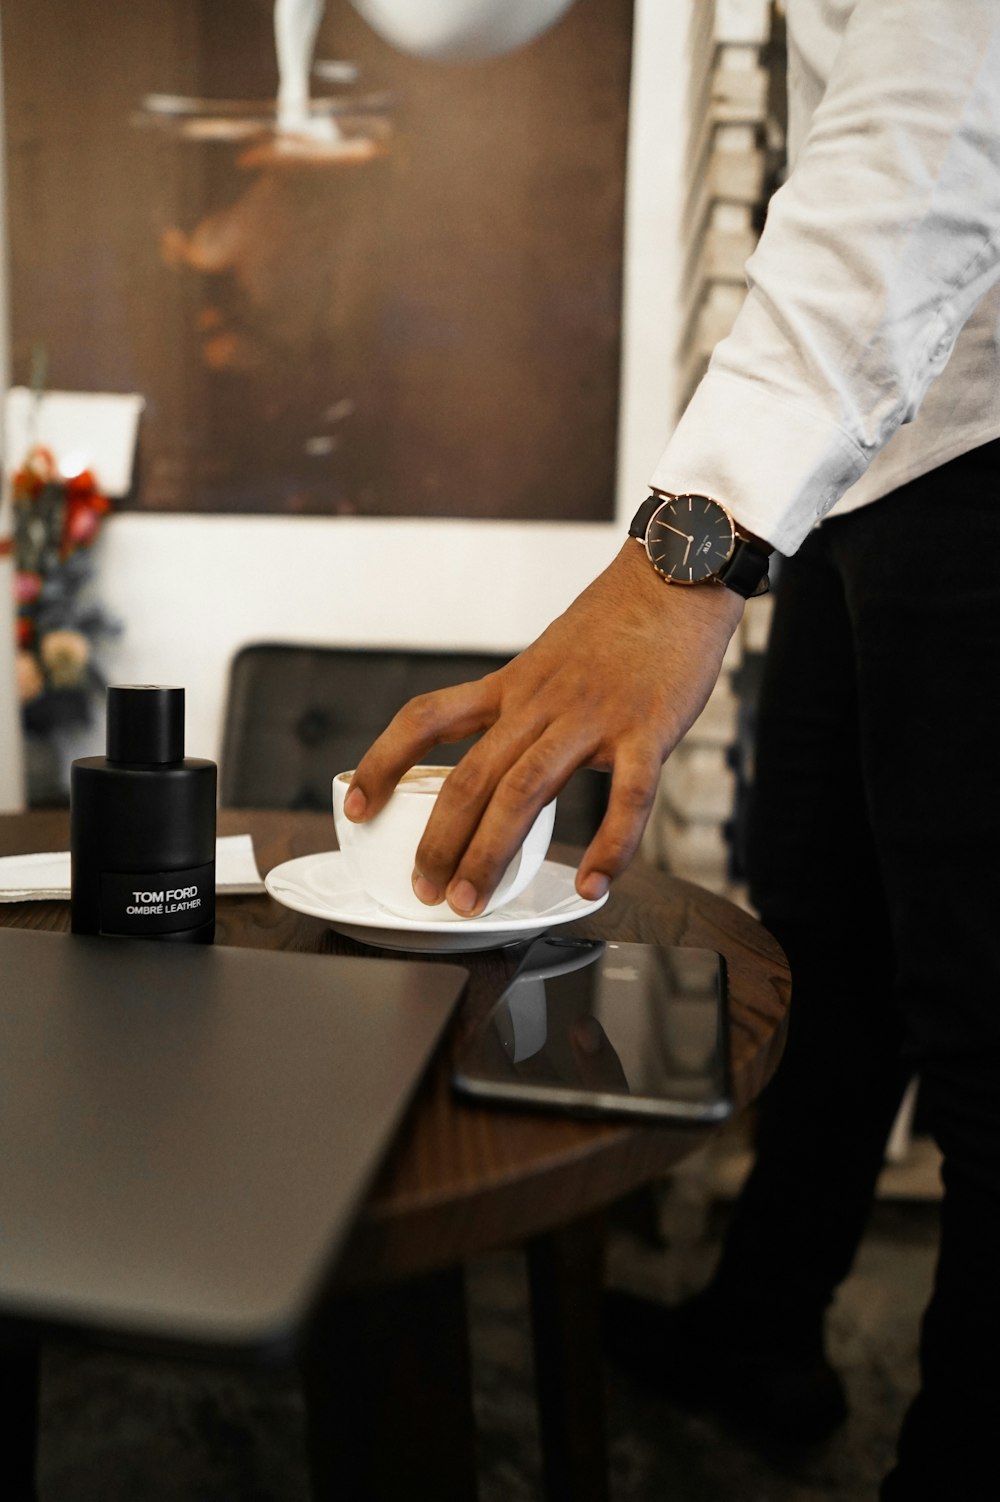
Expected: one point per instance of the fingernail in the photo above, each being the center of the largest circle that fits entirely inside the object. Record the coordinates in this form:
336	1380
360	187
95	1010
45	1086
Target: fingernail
594	885
463	897
355	804
425	890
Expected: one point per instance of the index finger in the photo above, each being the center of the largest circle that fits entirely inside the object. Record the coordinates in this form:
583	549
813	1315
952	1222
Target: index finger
429	720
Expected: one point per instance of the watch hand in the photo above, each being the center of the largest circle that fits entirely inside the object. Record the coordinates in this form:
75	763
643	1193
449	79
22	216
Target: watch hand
687	551
668	528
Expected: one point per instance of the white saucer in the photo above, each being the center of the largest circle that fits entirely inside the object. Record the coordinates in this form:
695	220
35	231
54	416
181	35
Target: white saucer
320	886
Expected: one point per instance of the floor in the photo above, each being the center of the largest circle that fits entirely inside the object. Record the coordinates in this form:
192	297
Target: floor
660	1454
117	1428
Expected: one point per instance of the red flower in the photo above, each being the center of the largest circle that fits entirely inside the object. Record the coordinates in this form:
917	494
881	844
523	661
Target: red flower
37	471
85	506
80	526
25	631
83	484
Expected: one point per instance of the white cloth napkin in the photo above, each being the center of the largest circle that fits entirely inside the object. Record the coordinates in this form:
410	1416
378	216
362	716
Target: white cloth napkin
26	878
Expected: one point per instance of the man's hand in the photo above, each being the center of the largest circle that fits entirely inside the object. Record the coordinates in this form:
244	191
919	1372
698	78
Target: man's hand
613	683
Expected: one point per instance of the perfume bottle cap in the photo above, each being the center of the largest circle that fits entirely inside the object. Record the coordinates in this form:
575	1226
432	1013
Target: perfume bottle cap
145	723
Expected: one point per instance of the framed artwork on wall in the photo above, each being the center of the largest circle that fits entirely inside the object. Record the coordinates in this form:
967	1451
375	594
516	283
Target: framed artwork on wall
414	311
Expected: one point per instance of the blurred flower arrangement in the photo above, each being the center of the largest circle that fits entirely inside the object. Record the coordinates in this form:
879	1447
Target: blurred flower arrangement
57	518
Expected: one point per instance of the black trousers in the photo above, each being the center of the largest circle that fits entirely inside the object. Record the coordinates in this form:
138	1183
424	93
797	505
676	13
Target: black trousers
874	857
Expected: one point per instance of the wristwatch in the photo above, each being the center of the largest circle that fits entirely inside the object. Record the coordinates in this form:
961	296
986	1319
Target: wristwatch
693	539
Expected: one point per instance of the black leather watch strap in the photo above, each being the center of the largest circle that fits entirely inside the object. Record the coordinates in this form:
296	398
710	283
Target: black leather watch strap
746	571
644	516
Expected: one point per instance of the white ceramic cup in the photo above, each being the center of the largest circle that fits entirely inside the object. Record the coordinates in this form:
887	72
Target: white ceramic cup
380	853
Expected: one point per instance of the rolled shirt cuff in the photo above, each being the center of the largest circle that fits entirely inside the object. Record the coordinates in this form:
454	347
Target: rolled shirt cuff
776	466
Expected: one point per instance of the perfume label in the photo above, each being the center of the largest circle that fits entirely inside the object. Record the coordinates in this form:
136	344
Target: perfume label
157	902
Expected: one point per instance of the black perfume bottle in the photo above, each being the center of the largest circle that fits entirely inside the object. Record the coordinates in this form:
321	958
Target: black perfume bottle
142	825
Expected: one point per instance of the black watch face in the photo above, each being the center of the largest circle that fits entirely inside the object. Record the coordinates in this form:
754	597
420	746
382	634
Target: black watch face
689	538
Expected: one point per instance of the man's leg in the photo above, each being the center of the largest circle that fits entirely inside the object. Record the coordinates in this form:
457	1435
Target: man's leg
825	1117
920	592
815	880
927	634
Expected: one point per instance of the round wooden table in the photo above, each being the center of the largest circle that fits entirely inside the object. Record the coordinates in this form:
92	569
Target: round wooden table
462	1179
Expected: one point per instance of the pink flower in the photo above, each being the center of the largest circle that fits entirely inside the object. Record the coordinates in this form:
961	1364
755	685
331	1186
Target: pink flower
27	587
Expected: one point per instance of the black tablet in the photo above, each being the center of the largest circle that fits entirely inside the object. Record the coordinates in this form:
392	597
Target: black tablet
594	1028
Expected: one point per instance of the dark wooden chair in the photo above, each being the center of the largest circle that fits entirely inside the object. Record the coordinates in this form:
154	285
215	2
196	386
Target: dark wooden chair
296	715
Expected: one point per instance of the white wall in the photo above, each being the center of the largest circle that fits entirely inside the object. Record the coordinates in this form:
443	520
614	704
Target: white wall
11	768
192	590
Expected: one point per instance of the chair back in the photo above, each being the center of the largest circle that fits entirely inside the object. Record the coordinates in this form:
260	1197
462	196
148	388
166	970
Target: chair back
297	715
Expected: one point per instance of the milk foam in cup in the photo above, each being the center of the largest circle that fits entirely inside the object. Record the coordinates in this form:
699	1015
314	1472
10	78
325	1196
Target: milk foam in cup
380	853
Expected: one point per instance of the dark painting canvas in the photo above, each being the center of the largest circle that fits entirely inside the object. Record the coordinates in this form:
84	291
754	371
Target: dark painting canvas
423	323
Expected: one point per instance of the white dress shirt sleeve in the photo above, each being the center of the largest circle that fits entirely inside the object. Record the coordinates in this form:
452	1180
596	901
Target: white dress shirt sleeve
875	251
